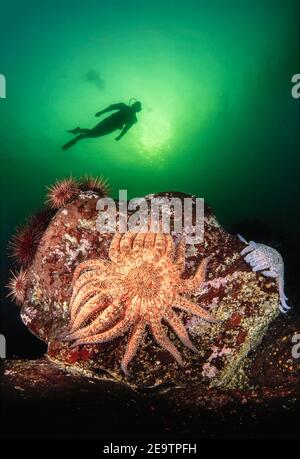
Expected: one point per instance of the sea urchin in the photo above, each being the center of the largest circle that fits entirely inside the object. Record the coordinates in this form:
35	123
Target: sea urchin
62	192
97	184
42	218
17	286
24	243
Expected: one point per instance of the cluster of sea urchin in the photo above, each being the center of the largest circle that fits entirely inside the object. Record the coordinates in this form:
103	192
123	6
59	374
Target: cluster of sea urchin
24	243
63	191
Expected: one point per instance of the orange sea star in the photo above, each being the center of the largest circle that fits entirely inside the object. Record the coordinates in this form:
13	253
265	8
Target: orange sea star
137	288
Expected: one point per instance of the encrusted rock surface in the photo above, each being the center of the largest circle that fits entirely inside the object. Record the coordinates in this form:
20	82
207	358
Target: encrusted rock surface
245	302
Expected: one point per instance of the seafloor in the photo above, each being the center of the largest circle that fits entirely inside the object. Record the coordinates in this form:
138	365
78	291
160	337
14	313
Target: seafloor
40	400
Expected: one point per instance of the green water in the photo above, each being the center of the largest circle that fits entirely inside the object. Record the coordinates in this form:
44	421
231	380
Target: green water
218	119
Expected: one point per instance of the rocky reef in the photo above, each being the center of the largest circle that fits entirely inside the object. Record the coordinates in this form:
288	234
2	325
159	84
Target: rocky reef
245	303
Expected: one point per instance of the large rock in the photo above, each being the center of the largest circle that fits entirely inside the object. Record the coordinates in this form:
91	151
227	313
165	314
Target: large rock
244	302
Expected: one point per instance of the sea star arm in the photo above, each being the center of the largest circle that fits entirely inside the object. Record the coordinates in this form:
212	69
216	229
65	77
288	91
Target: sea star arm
161	338
138	242
283	306
91	307
269	273
246	250
249	248
95	278
255	257
160	243
150	241
79	301
126	243
119	329
104	320
169	253
281	287
78	310
85	287
180	255
242	239
190	285
260	266
114	248
134	341
193	308
178	327
89	265
78	298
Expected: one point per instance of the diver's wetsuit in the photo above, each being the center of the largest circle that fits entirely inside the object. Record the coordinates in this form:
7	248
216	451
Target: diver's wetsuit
123	119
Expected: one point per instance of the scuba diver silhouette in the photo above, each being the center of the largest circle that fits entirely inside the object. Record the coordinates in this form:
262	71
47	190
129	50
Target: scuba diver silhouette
123	119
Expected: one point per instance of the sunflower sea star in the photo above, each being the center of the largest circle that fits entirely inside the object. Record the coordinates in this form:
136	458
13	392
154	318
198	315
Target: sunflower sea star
263	258
137	288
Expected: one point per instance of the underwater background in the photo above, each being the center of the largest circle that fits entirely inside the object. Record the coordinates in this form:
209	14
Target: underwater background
218	118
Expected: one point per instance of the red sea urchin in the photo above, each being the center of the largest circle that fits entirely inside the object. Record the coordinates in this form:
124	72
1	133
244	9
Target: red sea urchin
24	243
98	184
62	192
17	286
42	218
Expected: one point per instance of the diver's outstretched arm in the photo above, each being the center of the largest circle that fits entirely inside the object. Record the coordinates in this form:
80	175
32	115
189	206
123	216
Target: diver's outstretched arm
124	130
111	107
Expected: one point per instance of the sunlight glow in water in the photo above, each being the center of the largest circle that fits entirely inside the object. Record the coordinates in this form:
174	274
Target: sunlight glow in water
154	137
212	117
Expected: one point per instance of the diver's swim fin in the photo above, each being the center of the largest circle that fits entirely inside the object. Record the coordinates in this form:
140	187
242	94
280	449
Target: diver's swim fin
74	131
72	142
